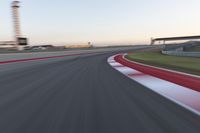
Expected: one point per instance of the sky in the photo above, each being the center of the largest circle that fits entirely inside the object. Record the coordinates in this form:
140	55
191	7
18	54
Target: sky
101	21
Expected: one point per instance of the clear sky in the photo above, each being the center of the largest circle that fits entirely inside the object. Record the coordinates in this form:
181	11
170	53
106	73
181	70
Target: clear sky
101	21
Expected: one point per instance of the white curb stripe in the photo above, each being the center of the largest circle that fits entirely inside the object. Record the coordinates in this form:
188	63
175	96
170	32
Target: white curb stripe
183	96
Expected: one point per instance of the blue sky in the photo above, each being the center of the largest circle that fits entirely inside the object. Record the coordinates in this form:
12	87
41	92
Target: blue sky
101	21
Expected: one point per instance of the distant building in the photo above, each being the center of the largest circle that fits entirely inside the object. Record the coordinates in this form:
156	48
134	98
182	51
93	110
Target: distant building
7	44
88	45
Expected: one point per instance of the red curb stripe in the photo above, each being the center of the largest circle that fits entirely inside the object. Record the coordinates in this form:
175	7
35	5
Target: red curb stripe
44	58
177	78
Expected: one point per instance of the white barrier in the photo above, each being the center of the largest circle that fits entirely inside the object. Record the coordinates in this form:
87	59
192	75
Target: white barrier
182	53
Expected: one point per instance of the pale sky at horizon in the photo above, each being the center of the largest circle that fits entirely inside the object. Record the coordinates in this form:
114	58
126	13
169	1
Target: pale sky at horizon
102	21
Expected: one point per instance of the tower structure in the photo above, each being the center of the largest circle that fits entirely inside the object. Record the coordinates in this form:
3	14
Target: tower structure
16	21
19	40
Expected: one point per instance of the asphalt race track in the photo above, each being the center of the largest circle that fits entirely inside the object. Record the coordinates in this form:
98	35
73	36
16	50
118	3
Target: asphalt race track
84	94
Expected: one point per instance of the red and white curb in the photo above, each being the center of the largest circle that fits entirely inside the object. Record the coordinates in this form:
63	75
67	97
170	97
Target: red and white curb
184	96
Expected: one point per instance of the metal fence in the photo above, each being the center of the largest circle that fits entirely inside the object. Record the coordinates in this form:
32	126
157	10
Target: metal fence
178	50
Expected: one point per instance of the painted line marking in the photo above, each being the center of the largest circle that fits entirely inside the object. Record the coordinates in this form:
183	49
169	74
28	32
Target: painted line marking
45	58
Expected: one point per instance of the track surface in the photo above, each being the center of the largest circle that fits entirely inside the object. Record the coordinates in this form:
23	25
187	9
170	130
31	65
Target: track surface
85	95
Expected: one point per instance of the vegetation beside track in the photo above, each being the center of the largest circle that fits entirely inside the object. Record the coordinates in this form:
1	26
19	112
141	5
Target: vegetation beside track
182	64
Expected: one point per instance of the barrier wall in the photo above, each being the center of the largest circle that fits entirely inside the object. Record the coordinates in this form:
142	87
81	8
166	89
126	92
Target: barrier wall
182	53
178	50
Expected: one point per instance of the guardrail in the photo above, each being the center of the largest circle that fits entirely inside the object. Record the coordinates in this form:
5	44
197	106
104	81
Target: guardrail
182	53
178	50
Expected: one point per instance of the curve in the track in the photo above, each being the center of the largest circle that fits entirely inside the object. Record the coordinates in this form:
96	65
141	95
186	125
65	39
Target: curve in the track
85	95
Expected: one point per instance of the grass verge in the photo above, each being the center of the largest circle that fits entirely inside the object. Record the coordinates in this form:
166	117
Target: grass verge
182	64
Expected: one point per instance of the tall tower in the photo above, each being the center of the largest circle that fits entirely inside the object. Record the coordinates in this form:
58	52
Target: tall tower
15	13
